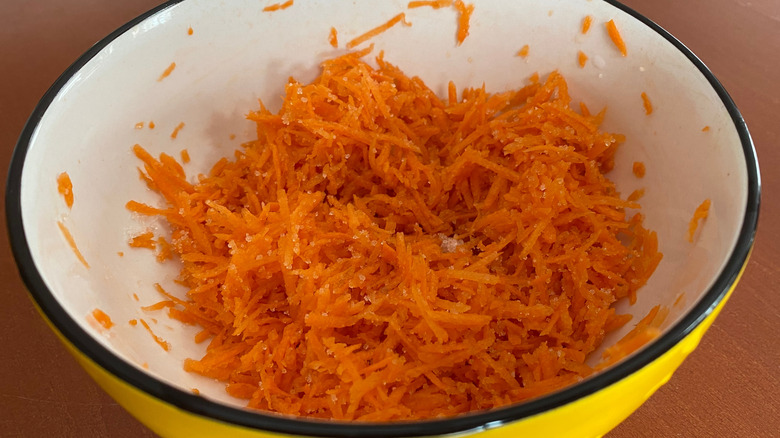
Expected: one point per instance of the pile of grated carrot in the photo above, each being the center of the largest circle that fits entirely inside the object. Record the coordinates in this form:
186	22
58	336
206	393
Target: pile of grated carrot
379	253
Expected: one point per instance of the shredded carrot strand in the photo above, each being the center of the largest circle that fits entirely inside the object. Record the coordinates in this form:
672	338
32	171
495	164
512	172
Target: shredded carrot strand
333	37
523	52
701	213
392	255
189	30
435	4
102	318
69	238
151	125
143	240
378	30
647	104
582	58
139	125
278	6
176	130
705	129
638	168
160	341
65	188
586	22
464	19
164	75
617	39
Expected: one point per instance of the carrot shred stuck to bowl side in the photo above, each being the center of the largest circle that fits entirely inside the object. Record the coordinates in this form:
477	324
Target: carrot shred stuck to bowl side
65	188
701	213
379	253
617	39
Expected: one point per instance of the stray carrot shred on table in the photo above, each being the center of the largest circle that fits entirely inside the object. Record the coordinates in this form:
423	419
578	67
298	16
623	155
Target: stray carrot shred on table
617	39
165	74
379	254
278	6
65	188
647	104
582	58
435	4
639	169
523	52
102	318
701	213
586	22
72	243
378	30
464	19
333	37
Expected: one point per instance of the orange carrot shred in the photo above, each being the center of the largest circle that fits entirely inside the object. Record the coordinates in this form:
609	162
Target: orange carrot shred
65	187
133	322
378	30
333	37
582	58
102	318
185	156
160	341
195	391
164	75
616	38
705	129
176	130
435	4
523	52
120	253
464	19
394	255
135	296
72	243
636	195
151	125
143	240
639	169
701	213
189	30
646	102
586	22
139	125
278	6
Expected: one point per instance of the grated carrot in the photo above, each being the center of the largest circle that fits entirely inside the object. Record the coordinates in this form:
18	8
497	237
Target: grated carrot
379	254
636	195
523	52
102	318
151	125
176	130
160	341
333	37
143	240
120	253
435	4
278	6
705	129
701	213
582	58
165	74
647	104
69	238
639	169
189	30
135	296
586	22
400	18
185	156
65	188
464	19
139	125
133	322
645	331
617	39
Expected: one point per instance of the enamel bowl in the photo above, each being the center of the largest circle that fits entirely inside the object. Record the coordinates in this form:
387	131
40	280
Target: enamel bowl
695	146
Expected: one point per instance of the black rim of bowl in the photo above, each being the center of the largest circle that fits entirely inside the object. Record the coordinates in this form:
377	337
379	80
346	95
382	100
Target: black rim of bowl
281	424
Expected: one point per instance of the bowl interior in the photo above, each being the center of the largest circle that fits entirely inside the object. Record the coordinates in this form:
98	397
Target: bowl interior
238	54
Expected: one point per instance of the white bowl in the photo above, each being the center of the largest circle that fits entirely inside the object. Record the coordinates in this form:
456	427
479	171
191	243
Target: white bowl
237	54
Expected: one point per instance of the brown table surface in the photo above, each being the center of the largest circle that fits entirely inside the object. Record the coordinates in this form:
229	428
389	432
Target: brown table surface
729	387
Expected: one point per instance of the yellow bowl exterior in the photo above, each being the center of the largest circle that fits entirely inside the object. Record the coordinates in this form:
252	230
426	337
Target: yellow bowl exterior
591	416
